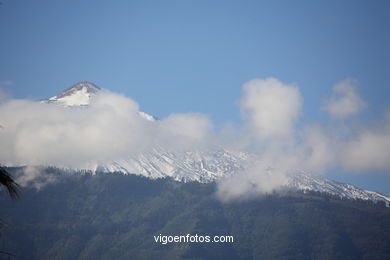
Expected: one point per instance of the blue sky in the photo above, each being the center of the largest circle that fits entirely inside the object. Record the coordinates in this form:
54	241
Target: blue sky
194	56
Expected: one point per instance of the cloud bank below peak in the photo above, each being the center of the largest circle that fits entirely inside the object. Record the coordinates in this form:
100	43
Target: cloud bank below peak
111	128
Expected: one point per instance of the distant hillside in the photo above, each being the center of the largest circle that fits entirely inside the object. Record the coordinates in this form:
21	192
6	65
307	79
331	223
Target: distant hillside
115	216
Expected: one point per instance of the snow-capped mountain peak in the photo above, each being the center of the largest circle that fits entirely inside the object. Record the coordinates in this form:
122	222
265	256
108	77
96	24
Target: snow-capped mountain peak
77	95
80	94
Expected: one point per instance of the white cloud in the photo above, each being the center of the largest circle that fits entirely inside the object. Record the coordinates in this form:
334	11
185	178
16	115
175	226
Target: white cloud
270	107
345	101
110	128
369	149
194	126
266	174
318	149
3	93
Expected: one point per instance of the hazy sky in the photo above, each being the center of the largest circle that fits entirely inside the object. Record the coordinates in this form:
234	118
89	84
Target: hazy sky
195	56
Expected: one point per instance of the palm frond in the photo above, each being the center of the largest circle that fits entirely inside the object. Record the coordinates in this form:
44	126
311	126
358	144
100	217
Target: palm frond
7	181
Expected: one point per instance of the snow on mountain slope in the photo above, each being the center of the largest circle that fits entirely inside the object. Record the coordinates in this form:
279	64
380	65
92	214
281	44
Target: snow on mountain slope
197	165
308	182
202	165
209	165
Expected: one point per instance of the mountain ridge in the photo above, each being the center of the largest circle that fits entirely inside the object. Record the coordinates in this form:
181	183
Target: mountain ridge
199	165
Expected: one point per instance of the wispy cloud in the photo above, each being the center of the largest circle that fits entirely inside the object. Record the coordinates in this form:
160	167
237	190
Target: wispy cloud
6	83
270	112
3	93
368	150
345	101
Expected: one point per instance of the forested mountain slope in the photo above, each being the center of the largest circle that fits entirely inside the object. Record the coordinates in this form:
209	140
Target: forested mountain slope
116	216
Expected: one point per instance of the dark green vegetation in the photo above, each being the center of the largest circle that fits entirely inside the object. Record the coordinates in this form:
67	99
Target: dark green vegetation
113	216
8	183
